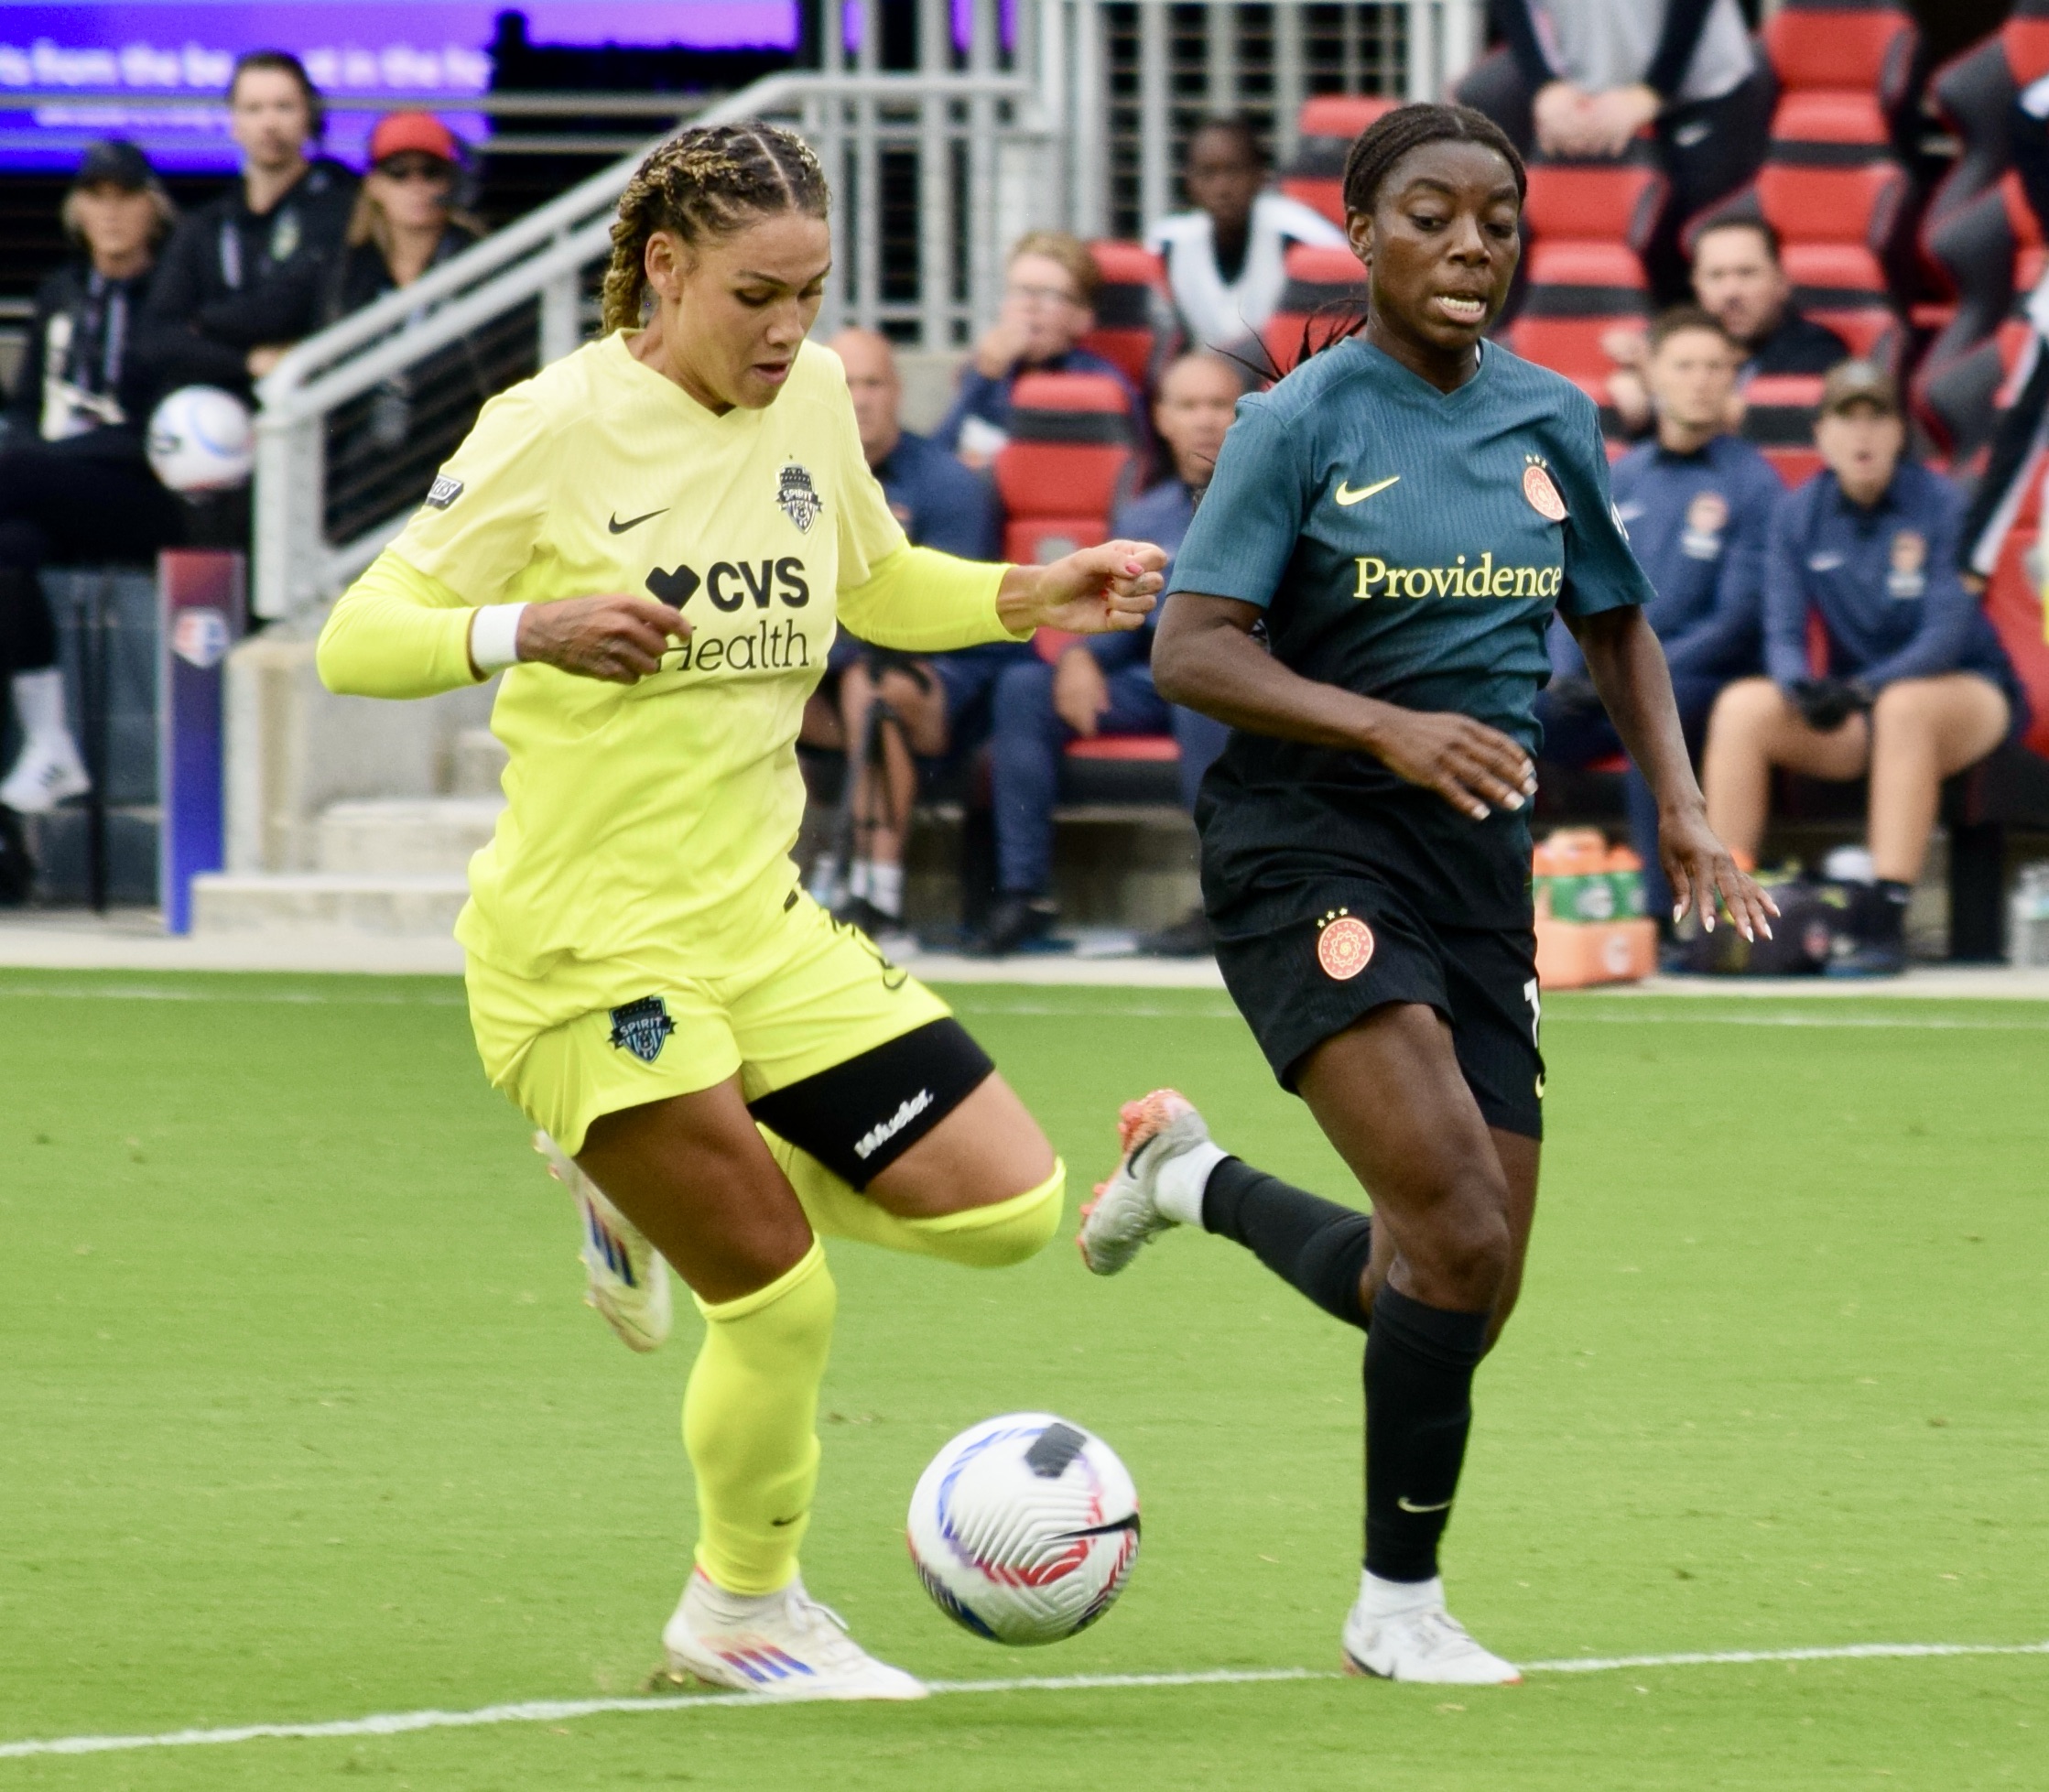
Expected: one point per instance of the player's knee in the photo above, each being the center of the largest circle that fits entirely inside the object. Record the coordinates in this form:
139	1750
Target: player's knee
1462	1261
1002	1234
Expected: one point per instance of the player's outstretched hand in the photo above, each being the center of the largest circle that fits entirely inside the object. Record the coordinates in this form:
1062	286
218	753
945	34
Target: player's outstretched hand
1095	590
618	639
1475	769
1699	868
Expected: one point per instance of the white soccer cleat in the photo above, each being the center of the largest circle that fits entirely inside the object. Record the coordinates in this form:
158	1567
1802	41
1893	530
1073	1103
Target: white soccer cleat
1126	1212
626	1279
1422	1643
783	1646
46	771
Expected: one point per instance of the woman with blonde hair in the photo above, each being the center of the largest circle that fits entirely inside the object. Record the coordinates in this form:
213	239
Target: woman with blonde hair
654	538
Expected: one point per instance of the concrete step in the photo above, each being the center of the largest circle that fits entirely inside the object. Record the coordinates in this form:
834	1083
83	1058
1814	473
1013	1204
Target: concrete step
479	761
326	902
405	836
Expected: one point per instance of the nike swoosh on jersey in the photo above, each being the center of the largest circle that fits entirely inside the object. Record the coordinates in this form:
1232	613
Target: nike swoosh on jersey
1410	1506
1348	497
617	527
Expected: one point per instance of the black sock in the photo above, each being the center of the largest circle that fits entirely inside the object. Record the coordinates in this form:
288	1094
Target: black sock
1309	1242
1419	1380
1889	913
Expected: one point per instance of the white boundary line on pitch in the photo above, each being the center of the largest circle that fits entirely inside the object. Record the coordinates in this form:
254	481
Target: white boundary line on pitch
547	1711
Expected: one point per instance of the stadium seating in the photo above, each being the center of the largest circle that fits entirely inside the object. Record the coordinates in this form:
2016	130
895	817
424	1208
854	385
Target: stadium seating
1324	132
1325	296
1587	222
1129	303
1069	461
1980	237
1779	417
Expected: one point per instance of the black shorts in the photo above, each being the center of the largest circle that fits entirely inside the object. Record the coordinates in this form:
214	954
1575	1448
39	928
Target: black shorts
1356	945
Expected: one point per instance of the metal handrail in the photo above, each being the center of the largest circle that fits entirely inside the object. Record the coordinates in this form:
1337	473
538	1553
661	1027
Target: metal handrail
541	255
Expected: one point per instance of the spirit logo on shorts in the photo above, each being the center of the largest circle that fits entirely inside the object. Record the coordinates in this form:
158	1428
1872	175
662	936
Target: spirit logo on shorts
1344	945
643	1027
798	497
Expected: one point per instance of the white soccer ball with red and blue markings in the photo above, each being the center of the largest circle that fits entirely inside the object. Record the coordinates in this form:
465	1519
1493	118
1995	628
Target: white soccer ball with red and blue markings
1024	1528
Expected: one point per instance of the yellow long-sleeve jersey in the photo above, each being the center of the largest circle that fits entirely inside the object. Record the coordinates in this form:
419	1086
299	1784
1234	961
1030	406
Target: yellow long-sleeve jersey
648	825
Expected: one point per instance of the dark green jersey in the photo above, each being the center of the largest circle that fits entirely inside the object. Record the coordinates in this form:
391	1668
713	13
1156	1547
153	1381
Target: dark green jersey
1409	545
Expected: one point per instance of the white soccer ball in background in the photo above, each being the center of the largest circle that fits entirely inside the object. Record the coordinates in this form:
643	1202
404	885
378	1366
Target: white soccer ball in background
1024	1528
201	439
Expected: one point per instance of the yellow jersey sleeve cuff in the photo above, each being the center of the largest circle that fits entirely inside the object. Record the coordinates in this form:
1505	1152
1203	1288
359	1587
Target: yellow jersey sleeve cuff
396	632
918	600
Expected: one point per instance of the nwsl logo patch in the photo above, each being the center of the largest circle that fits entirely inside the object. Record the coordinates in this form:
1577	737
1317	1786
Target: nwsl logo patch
643	1027
798	497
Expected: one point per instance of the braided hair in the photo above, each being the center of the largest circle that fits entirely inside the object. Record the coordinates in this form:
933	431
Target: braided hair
1392	134
705	183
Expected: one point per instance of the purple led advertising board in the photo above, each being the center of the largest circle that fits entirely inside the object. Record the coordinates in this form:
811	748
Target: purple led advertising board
108	71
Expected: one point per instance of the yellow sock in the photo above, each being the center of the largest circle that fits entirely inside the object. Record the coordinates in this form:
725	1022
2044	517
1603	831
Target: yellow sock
750	1422
992	1237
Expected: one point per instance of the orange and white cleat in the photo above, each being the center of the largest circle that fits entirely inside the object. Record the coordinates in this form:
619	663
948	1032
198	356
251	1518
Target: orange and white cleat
1131	1209
626	1278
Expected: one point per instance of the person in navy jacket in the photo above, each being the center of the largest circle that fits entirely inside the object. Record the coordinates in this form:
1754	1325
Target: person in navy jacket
1105	687
1916	685
1049	304
1697	504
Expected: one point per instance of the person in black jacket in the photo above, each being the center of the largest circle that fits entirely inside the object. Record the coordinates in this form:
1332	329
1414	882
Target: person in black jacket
1581	78
74	483
285	218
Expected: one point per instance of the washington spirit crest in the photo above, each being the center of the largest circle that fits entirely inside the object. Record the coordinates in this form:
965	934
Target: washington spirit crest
643	1027
798	497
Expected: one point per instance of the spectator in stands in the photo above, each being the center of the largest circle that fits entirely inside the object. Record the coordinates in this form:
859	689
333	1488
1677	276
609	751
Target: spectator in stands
931	706
1917	686
1739	278
1224	260
74	483
1581	78
1698	506
1049	297
290	211
1096	691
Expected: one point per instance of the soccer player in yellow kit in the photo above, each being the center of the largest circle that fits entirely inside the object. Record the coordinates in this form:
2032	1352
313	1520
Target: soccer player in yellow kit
654	536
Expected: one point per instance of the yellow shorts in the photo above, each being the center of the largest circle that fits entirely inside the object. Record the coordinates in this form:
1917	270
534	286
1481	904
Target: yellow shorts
814	994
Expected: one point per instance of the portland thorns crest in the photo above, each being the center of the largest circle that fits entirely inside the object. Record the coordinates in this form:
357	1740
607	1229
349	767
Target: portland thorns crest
1344	945
799	498
643	1027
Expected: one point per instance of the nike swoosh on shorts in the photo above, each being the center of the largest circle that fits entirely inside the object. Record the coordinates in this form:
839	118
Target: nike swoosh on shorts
1348	497
617	527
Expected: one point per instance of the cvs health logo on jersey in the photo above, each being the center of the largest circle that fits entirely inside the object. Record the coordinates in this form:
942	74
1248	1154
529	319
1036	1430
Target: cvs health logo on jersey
758	594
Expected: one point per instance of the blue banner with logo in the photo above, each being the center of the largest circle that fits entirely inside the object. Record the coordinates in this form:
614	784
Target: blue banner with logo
200	595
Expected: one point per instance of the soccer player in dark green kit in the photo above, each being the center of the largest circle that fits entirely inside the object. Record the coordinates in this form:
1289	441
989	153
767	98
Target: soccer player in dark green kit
1363	597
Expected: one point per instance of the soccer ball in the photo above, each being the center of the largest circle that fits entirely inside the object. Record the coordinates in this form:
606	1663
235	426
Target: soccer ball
1024	1528
200	439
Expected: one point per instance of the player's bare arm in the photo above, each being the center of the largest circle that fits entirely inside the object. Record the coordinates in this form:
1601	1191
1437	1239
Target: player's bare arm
1206	658
1629	670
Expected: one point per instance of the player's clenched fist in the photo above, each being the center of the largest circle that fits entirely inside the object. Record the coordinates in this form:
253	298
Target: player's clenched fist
620	639
1094	590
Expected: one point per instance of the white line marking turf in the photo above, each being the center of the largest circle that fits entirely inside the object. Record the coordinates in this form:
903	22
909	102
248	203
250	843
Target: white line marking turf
555	1710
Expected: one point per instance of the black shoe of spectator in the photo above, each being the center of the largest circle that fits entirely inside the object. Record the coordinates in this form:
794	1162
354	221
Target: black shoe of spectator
858	911
1188	937
1015	922
1874	957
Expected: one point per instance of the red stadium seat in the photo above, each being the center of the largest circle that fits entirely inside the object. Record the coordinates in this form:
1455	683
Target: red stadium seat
1779	417
1069	462
1795	466
1830	44
1325	296
2015	610
1128	305
1587	220
1325	131
1130	749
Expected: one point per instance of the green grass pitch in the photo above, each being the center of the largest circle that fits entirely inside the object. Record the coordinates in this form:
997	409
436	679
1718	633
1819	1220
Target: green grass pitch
301	1418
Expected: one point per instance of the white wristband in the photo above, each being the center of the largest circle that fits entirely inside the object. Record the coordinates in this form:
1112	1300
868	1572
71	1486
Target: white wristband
494	637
